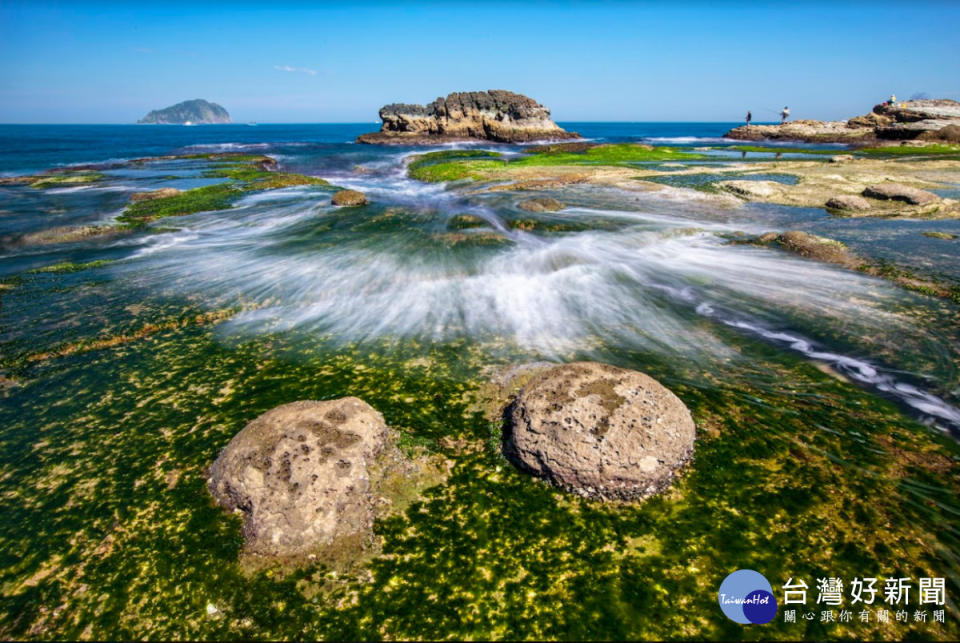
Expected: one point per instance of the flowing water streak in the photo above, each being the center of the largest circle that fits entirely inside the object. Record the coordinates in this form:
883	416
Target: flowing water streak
314	269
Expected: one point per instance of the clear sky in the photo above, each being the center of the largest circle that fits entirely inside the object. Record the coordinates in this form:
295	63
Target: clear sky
70	62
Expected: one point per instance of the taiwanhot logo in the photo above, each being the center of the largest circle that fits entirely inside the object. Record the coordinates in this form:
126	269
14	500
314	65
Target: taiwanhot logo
747	597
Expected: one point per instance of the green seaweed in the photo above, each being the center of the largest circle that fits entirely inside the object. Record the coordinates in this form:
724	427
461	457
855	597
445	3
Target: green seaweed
69	266
455	166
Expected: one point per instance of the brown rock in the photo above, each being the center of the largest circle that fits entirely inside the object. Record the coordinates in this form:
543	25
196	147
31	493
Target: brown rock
348	197
494	115
948	134
300	474
848	202
899	192
599	431
541	205
162	193
820	248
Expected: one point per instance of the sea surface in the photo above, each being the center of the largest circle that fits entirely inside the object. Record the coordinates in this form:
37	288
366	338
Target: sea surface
130	361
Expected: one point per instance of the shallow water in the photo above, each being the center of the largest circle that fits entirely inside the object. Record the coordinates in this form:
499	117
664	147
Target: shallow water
397	303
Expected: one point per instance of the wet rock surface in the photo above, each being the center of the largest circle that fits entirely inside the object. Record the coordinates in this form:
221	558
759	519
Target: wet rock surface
899	192
599	431
301	475
541	205
848	202
494	115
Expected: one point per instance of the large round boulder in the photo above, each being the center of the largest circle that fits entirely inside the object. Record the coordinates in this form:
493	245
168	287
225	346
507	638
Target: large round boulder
599	431
301	475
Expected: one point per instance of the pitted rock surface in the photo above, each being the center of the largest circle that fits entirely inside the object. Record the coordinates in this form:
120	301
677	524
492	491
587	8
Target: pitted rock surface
299	473
493	115
599	431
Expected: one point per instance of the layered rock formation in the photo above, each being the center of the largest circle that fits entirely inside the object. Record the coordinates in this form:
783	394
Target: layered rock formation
494	115
925	120
192	112
599	431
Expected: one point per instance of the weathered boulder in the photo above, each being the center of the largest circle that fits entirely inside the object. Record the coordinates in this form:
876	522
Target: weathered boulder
162	193
348	197
494	115
599	431
301	475
848	202
545	204
813	247
899	192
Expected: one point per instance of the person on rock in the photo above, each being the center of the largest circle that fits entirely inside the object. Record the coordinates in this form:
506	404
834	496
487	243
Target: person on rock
893	99
784	115
749	117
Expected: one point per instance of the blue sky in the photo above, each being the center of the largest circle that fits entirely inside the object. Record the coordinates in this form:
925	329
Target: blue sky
67	62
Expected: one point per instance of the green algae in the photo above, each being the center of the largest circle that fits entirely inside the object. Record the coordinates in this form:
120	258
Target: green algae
936	149
454	166
243	173
219	196
69	266
795	474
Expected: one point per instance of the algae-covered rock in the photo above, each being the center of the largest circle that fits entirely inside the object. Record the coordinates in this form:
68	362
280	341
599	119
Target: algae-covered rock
545	204
899	192
349	198
301	475
599	431
819	248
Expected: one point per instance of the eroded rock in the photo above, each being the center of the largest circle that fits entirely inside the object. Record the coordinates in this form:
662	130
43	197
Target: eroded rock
599	431
303	475
494	115
545	204
848	202
899	192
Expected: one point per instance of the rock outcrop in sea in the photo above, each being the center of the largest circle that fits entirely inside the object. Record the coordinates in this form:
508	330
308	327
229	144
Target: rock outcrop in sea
599	431
494	115
923	120
193	112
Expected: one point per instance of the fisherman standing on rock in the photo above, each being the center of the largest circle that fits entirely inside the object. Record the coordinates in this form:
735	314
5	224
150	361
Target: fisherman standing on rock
784	115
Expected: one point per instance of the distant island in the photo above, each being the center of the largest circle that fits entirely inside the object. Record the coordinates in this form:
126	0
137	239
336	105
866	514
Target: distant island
493	115
189	112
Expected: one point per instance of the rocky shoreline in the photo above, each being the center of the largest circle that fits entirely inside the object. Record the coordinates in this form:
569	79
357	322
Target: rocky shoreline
916	120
